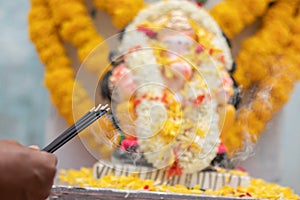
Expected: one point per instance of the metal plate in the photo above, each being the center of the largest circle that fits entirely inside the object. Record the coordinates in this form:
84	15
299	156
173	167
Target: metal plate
76	193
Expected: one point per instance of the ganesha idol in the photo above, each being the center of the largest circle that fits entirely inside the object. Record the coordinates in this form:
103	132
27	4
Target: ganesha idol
171	90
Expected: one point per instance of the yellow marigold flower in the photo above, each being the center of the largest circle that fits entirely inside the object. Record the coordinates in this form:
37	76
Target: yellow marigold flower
262	108
43	43
257	70
61	61
53	51
38	3
38	13
282	10
278	31
60	74
296	27
87	49
67	11
281	93
250	45
295	42
46	56
246	14
121	11
242	78
100	4
80	38
39	28
228	18
291	75
234	15
71	27
58	2
257	7
233	138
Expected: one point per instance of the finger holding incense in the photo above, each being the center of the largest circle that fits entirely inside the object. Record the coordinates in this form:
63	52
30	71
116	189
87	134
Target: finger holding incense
34	147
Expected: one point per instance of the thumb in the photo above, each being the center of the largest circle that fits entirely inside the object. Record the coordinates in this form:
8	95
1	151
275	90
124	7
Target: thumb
34	147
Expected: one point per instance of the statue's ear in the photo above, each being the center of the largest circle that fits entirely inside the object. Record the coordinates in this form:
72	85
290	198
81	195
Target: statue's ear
236	97
105	86
233	68
227	39
115	59
121	33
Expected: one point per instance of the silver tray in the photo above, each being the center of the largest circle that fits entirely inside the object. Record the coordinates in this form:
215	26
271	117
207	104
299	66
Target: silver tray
76	193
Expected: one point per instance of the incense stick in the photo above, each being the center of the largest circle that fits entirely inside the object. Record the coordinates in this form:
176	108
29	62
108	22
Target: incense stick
75	129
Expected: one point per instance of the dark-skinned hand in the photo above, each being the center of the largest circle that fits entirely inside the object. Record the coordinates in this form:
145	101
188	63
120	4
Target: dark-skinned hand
25	172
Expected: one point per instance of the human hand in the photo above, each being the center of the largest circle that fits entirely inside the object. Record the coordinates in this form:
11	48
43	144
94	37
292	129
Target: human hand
25	173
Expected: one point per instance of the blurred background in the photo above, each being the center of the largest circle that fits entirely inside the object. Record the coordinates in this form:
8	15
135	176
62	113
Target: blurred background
23	99
27	115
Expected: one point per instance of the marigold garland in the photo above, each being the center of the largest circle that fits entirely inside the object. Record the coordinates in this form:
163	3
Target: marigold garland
234	15
43	34
122	12
79	30
271	68
59	75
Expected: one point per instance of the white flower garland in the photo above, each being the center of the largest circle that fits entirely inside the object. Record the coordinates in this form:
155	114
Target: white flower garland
193	152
